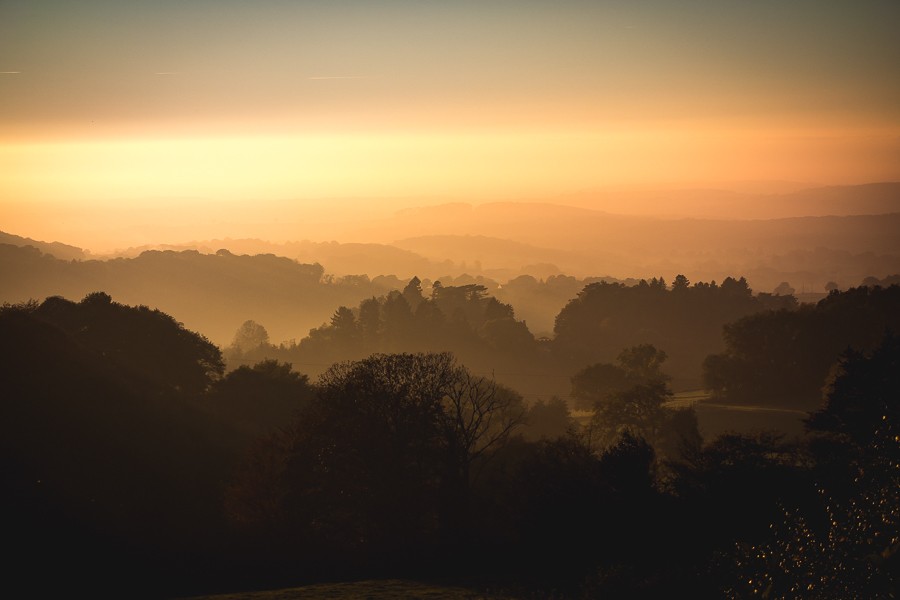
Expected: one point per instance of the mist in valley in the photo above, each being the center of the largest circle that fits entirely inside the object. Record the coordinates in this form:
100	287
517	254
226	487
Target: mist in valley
456	400
395	299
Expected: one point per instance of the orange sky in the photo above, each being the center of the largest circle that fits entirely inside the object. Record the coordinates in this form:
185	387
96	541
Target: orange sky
222	108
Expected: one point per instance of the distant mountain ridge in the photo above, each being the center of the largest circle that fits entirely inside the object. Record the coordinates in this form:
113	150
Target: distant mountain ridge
505	240
56	249
492	255
339	259
582	230
705	203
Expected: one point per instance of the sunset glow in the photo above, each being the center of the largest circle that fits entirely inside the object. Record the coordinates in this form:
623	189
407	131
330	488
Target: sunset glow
230	102
496	299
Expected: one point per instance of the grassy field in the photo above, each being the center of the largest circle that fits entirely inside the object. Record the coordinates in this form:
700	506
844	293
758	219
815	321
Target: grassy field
714	419
388	589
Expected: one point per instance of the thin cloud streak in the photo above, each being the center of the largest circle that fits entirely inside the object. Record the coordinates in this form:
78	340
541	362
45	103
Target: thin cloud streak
340	77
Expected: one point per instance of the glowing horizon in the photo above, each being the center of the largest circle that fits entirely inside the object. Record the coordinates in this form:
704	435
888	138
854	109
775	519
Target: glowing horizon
230	102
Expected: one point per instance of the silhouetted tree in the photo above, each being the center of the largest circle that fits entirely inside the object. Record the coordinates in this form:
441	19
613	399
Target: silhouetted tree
412	293
106	458
250	336
478	416
638	365
643	363
397	322
508	336
144	341
562	488
686	320
680	283
628	465
260	398
861	399
370	322
850	546
597	382
736	287
548	420
344	329
784	289
637	411
737	486
479	328
784	356
369	466
555	491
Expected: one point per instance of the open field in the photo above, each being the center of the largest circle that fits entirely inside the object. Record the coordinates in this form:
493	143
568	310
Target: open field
715	419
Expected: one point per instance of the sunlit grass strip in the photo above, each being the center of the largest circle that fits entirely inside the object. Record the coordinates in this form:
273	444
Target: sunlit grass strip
388	589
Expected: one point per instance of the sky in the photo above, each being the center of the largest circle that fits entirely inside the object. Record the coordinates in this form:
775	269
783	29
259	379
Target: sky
120	117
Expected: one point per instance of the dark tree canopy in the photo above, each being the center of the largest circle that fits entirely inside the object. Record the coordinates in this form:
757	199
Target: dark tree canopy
369	465
145	341
597	382
462	319
249	337
686	320
784	356
849	546
121	440
638	365
861	401
105	457
260	398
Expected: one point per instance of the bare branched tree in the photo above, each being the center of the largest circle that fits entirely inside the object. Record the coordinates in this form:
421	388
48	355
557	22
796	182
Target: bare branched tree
479	417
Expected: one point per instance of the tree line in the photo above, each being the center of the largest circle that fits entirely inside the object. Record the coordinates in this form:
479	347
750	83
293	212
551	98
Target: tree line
127	445
714	336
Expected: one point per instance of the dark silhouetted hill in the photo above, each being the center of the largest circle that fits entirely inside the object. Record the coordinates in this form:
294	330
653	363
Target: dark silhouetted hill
213	293
104	461
55	249
339	258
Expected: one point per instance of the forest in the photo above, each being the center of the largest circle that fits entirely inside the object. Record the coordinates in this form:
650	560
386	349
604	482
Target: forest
450	300
425	432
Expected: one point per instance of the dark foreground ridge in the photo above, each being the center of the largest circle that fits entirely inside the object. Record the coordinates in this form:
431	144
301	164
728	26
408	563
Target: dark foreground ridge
133	460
